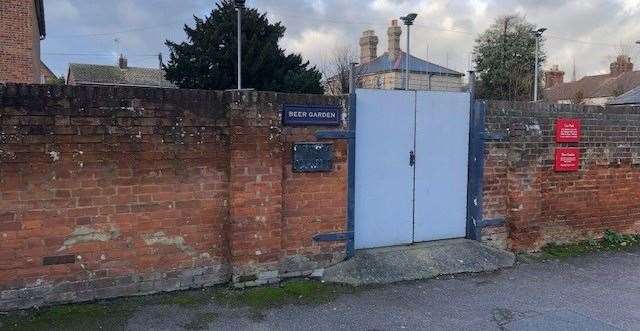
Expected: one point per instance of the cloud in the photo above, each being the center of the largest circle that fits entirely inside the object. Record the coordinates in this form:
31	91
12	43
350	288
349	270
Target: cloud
319	6
631	6
61	10
316	44
447	28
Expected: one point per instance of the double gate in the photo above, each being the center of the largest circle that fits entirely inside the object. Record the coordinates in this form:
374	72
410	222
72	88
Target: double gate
412	165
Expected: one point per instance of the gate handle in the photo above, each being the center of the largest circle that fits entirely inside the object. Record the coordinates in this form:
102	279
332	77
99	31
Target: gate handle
412	158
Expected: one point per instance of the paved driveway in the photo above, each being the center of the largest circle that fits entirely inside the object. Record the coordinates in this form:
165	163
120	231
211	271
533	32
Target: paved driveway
597	292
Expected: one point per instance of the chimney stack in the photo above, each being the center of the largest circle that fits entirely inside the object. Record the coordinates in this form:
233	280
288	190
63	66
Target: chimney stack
623	64
553	77
368	47
394	33
122	62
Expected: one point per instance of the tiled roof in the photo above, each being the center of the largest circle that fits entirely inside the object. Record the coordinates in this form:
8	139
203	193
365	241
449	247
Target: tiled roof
601	86
384	63
630	98
112	75
46	70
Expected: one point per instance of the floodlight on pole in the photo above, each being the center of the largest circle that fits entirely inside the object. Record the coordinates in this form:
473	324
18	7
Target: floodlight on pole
408	21
538	35
239	6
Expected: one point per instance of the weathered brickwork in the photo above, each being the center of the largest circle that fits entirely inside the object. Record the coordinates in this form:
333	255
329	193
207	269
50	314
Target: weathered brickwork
277	212
541	206
108	192
115	191
19	42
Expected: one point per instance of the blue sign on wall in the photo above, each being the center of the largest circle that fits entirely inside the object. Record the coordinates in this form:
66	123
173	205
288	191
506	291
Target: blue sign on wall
310	115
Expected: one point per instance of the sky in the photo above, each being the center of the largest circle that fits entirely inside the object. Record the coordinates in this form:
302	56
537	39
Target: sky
589	32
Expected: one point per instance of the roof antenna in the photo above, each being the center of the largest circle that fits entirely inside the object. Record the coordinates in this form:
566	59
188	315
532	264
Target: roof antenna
116	41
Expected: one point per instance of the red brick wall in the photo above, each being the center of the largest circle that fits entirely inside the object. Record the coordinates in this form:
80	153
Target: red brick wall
275	212
19	42
542	206
313	203
112	191
116	191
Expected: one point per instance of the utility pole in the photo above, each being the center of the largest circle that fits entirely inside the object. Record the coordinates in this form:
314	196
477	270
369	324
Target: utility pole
504	39
408	21
427	57
352	77
239	6
538	35
503	72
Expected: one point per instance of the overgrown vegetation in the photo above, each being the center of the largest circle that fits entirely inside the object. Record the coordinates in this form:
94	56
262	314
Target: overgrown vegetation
611	241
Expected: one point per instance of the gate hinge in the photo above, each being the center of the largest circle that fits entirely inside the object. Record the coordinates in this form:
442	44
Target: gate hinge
495	136
492	223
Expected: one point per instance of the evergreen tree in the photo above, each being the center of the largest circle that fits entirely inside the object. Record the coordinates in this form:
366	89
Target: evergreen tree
505	59
208	60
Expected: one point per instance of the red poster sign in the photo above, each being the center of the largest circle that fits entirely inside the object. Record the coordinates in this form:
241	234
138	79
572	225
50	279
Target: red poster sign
567	159
568	130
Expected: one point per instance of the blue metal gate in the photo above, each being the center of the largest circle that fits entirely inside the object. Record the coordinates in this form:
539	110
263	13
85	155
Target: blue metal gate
411	166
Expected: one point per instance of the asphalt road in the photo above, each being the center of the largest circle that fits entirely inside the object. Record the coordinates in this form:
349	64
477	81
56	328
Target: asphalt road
597	292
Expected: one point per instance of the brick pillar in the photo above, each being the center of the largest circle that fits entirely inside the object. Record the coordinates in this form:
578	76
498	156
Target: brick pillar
255	199
524	192
524	201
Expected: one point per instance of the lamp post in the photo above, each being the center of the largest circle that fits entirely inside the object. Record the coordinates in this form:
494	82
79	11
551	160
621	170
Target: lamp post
538	34
239	6
408	21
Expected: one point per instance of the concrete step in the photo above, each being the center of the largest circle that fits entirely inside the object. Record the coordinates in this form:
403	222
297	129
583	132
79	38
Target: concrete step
418	261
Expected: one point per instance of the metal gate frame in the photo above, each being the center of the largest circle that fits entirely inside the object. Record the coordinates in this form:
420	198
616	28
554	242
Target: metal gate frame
477	138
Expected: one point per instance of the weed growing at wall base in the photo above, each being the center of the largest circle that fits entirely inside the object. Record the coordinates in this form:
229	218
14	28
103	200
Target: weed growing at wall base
611	241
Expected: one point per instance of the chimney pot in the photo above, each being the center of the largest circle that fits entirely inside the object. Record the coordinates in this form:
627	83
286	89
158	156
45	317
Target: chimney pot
621	65
394	33
368	46
553	77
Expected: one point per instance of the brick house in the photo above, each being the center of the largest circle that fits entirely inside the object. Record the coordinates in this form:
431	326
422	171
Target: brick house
592	90
388	70
22	27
